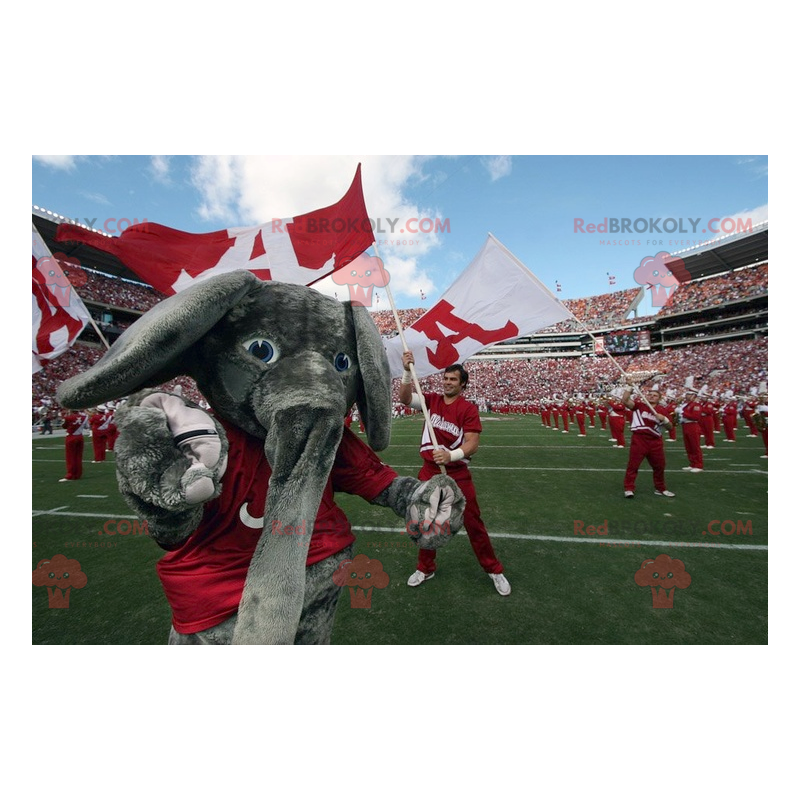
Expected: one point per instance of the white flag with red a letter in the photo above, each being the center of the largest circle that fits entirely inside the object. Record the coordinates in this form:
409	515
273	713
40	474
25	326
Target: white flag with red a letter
496	298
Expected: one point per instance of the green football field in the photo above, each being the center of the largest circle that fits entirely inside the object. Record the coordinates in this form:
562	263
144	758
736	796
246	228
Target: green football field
570	543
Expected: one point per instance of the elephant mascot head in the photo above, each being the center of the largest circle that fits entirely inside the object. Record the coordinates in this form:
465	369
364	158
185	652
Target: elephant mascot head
282	362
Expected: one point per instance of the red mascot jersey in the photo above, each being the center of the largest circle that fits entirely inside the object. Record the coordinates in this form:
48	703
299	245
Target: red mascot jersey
204	578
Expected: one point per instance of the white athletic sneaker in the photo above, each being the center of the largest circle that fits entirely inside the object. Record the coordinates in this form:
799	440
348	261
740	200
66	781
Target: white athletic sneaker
500	583
419	577
628	493
665	493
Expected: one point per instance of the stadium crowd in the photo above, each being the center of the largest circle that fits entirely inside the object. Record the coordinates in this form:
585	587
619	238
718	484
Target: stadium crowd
502	383
739	285
495	384
595	312
110	291
385	322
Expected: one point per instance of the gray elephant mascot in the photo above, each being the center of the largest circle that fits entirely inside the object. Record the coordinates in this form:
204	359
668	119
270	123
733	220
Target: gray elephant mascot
242	498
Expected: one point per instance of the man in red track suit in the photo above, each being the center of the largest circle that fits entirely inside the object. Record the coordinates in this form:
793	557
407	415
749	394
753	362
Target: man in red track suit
457	426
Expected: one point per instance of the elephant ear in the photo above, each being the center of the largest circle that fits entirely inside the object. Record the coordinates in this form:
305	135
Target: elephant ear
152	350
374	393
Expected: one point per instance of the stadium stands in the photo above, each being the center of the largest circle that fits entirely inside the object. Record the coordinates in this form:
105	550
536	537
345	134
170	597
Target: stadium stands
727	312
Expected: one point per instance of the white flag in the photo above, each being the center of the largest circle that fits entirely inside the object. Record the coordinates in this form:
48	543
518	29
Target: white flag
496	298
59	315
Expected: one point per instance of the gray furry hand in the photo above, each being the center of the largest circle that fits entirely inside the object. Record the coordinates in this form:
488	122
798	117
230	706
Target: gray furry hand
157	463
435	513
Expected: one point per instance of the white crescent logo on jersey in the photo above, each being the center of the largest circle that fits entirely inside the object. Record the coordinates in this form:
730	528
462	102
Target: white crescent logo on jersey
257	523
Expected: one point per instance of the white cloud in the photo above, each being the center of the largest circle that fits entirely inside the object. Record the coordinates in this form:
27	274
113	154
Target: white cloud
94	197
497	166
755	215
251	190
758	165
58	162
159	167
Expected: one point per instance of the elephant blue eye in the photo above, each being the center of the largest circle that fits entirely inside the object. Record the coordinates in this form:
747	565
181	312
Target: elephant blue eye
262	349
341	362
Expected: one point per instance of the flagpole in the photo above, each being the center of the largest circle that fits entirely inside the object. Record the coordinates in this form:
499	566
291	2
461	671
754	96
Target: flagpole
636	388
613	360
414	377
97	331
585	329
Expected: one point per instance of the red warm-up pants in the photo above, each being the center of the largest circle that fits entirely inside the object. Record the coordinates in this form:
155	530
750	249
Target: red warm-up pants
691	441
616	424
74	455
99	443
473	524
646	446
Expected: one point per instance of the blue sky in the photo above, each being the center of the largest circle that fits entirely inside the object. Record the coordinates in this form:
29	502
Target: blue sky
530	203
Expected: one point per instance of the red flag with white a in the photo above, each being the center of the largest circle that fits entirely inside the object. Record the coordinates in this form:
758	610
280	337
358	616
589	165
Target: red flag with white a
496	298
59	315
299	249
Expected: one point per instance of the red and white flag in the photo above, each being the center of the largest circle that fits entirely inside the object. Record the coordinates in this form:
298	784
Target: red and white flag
496	298
59	315
299	249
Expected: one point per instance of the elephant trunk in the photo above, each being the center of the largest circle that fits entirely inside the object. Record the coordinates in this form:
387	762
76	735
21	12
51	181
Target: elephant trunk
303	435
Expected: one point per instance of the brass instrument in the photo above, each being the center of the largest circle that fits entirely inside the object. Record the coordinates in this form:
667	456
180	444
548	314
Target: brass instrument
760	421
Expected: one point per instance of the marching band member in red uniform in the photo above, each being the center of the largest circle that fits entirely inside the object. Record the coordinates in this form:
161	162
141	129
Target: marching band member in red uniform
690	413
616	420
602	413
706	418
580	415
112	433
545	406
99	423
730	414
646	424
760	418
564	411
76	424
670	405
748	410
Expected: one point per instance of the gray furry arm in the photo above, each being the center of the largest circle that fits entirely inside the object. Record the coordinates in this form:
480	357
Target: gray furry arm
433	510
397	495
168	529
156	477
